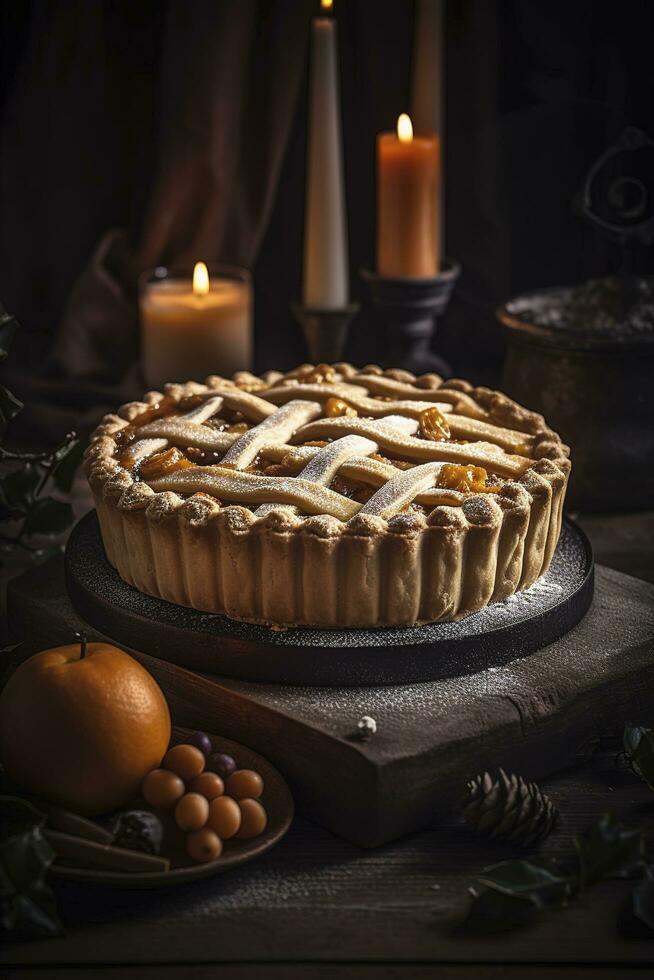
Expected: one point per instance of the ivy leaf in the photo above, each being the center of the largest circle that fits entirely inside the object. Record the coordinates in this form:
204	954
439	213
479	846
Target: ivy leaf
39	555
27	905
8	513
8	327
17	489
66	462
608	850
495	912
639	750
48	516
537	882
10	406
514	890
643	899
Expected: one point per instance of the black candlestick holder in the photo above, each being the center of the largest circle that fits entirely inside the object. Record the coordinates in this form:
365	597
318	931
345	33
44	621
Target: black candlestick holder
409	307
325	331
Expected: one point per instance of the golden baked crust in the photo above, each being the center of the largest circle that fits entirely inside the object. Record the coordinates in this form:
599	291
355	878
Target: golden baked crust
384	545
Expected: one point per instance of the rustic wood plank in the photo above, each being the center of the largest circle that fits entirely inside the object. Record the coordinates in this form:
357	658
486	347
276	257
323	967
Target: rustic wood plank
622	541
317	898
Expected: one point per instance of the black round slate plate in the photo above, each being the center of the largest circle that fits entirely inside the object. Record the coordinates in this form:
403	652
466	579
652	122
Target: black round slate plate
215	644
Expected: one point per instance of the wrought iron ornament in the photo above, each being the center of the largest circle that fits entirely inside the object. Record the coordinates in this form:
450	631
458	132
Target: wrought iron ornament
618	193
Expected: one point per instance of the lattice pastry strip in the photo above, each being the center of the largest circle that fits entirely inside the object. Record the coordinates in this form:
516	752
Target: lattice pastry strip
463	427
251	407
405	447
327	462
363	469
402	490
358	399
318	391
280	425
252	488
390	388
144	447
180	432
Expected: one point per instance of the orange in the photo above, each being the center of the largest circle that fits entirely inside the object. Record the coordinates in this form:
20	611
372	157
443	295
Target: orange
82	726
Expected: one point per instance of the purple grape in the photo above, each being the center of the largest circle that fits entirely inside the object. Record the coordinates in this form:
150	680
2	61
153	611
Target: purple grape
202	742
222	764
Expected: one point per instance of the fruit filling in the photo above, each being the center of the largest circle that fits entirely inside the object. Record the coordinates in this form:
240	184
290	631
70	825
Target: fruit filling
169	461
465	479
335	407
433	425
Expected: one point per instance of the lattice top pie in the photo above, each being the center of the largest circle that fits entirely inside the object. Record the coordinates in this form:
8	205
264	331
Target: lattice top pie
329	496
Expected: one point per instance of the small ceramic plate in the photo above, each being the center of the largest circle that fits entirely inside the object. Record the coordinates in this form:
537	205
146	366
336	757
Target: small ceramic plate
276	799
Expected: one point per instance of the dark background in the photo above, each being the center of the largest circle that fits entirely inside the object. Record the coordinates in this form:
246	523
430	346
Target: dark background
184	125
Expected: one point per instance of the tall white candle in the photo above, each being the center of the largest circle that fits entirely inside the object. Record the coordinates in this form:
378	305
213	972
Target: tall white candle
428	79
325	232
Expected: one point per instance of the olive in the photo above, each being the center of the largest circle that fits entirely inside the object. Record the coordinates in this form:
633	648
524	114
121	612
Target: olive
201	741
223	764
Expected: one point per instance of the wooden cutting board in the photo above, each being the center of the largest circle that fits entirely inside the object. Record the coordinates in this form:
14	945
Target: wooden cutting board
534	714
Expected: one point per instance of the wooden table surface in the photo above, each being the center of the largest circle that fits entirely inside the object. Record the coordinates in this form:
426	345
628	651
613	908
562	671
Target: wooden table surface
317	907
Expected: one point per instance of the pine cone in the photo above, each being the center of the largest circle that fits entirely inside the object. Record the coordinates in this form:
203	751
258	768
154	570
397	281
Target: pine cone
508	807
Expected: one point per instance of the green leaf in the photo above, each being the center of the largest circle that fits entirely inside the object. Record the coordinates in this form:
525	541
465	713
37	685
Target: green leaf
17	489
8	513
67	460
8	327
10	406
17	815
495	912
608	850
27	905
40	555
537	882
639	750
48	516
643	899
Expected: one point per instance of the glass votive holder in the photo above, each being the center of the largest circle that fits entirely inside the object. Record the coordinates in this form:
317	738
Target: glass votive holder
193	324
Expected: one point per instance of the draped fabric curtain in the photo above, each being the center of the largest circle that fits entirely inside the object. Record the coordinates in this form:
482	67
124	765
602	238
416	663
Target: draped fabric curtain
231	80
133	138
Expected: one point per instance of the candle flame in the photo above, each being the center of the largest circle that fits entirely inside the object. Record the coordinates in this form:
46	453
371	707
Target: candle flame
326	4
200	279
404	129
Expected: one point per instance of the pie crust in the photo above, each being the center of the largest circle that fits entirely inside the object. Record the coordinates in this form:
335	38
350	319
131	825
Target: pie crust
357	530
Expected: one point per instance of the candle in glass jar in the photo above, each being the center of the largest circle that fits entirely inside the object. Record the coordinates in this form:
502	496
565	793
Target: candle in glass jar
408	193
192	327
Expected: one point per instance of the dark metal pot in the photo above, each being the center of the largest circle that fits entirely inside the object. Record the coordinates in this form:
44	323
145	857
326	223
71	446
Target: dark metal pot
595	387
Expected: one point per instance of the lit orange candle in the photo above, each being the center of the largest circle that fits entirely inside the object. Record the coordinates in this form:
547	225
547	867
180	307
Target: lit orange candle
408	195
